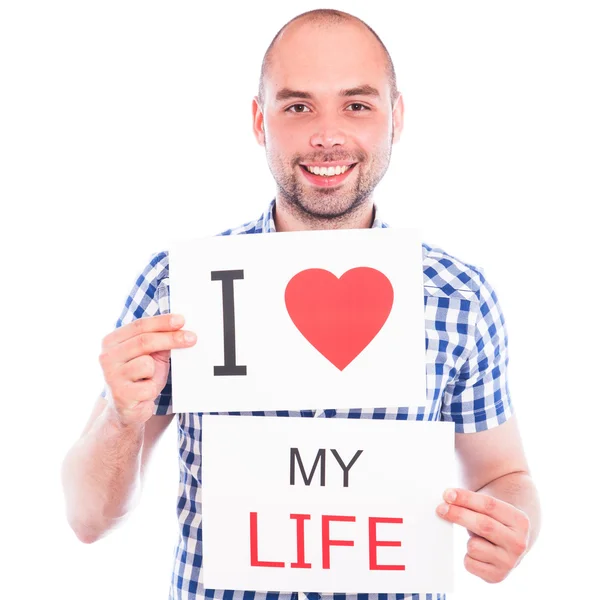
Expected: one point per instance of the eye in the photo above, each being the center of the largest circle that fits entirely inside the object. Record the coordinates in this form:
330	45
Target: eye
289	109
364	107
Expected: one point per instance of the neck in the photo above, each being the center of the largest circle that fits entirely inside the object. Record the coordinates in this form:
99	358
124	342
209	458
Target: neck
288	218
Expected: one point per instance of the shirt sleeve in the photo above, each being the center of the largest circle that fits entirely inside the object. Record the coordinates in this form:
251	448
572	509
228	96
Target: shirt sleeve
478	398
149	297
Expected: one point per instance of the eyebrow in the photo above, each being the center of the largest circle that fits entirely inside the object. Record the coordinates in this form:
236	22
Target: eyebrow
360	90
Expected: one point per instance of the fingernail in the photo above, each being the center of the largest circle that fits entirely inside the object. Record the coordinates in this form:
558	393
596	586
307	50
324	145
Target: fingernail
176	320
450	495
189	336
442	509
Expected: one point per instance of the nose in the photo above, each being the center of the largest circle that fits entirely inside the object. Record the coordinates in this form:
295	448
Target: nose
327	136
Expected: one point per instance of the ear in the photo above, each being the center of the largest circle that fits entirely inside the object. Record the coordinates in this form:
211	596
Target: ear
258	122
398	118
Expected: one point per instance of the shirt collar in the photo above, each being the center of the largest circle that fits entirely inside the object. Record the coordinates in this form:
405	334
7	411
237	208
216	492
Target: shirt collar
267	221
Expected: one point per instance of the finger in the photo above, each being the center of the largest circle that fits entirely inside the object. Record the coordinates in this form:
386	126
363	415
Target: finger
484	551
138	392
501	511
142	325
145	343
481	524
487	572
137	411
139	368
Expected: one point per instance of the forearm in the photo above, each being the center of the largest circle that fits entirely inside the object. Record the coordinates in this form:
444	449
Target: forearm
101	476
519	490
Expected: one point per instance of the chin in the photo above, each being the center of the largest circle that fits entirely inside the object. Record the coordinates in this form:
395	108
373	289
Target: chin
328	210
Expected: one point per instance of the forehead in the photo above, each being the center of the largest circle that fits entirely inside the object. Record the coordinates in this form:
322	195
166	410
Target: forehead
319	58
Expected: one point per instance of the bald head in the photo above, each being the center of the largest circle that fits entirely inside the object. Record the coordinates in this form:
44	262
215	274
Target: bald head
324	18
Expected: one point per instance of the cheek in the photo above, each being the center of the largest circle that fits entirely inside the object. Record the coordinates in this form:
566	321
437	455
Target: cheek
378	145
374	138
281	145
282	134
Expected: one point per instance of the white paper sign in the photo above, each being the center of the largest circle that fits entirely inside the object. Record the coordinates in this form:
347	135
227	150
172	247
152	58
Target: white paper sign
365	522
299	320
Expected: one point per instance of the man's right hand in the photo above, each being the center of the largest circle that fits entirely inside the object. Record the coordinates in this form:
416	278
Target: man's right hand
135	362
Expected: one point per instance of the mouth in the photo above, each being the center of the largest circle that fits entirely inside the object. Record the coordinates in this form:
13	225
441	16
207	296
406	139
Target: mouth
331	176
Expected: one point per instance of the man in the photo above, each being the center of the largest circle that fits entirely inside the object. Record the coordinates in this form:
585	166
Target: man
327	112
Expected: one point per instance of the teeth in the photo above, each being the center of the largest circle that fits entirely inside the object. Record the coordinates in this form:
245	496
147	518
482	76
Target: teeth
328	171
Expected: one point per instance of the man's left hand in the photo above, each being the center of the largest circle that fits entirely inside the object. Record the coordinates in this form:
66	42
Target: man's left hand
499	532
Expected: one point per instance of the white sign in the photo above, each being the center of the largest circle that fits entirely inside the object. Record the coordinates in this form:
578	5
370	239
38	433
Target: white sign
299	320
326	505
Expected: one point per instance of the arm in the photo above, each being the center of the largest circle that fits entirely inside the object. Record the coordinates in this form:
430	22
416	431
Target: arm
499	505
519	490
102	473
493	463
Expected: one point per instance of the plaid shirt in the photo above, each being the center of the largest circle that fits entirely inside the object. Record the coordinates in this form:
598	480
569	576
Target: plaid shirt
466	362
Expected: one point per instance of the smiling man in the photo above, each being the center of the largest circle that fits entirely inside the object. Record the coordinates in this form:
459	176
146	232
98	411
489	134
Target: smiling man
327	112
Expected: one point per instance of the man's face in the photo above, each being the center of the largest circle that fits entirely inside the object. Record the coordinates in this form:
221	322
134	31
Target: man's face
309	124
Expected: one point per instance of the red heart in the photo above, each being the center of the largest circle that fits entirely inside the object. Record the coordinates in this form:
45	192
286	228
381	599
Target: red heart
339	317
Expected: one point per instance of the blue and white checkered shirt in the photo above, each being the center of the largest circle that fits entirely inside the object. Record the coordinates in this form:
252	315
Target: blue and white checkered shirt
466	362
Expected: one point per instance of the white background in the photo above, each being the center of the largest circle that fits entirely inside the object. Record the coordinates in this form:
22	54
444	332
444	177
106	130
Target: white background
124	124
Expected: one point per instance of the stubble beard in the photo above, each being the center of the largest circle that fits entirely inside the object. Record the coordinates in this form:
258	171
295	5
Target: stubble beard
317	206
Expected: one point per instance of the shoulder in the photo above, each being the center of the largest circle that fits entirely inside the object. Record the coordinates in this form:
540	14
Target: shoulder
158	265
263	224
255	226
148	296
157	268
155	273
450	275
446	275
450	282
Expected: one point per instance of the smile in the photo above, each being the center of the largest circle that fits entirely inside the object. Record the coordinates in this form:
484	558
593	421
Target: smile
328	171
327	176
